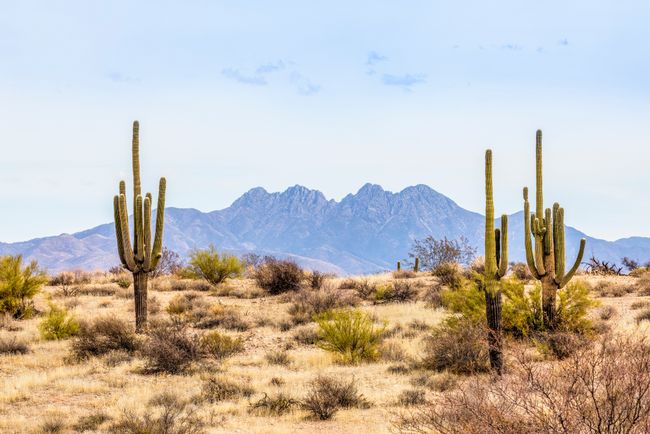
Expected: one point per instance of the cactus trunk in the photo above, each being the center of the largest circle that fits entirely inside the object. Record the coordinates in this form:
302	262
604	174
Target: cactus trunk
546	260
493	306
496	266
141	257
416	266
140	280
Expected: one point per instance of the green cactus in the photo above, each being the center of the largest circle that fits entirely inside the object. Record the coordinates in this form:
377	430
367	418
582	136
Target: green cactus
399	266
416	266
496	266
546	260
143	257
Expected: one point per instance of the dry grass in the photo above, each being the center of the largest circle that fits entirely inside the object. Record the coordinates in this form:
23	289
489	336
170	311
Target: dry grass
47	385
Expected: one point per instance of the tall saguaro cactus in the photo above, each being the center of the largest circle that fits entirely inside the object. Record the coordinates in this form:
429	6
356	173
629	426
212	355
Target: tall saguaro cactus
143	257
496	266
546	260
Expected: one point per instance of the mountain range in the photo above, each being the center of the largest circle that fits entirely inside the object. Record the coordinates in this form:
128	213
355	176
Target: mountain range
363	233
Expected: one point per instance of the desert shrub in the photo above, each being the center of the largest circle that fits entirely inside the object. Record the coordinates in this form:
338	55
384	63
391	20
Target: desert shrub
278	276
170	347
170	262
639	304
306	335
52	425
98	290
411	397
600	389
573	307
610	288
348	284
398	369
277	381
66	283
103	335
392	351
398	292
217	389
606	313
275	405
441	382
220	346
213	266
13	346
432	297
91	422
560	345
457	346
316	279
58	324
186	304
327	394
434	252
521	271
350	333
448	274
597	267
218	315
123	280
165	414
278	358
404	274
18	285
643	316
307	303
642	284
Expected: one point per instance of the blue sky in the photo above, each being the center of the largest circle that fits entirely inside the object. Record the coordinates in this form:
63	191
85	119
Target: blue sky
330	95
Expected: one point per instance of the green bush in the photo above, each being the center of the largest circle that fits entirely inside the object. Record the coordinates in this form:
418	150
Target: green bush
213	266
18	285
58	324
220	346
522	313
350	333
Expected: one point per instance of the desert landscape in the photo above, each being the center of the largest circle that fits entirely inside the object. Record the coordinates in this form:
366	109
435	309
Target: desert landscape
324	217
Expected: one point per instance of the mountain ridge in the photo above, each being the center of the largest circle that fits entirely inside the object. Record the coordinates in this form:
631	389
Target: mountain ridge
364	232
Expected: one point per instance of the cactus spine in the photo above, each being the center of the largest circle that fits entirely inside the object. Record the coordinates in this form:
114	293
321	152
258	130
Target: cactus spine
496	266
141	258
416	266
546	260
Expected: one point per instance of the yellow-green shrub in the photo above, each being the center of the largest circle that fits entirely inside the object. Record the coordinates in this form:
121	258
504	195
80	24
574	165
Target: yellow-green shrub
58	324
18	285
350	333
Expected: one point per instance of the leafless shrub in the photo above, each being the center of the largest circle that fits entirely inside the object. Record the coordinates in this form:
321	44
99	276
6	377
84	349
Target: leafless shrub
170	347
521	271
607	312
306	303
448	274
599	389
458	347
643	316
280	358
279	276
639	304
399	369
398	292
219	346
404	274
103	335
392	351
306	335
277	382
275	405
609	288
602	268
91	422
165	414
217	389
13	346
316	279
411	397
434	252
327	394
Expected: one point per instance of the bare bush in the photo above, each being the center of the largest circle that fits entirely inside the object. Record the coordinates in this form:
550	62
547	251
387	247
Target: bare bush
307	303
275	405
170	347
217	389
327	394
165	414
600	389
434	252
103	335
13	346
598	267
278	276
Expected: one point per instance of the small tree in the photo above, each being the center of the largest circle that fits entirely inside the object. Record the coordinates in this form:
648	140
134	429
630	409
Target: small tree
18	285
432	252
213	266
170	262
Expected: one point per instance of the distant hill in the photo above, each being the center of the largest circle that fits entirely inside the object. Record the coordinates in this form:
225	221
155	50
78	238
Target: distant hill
363	233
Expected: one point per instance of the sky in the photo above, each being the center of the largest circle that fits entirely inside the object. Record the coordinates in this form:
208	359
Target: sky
231	95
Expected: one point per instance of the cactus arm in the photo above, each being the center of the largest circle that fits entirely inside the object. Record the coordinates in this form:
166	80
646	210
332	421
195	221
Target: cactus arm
548	236
135	153
118	229
539	194
139	230
129	260
490	245
503	260
156	252
147	232
530	258
577	263
560	254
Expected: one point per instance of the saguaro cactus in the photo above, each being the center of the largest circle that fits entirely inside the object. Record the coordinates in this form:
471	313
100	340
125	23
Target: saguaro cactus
546	260
416	266
143	257
399	266
496	266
